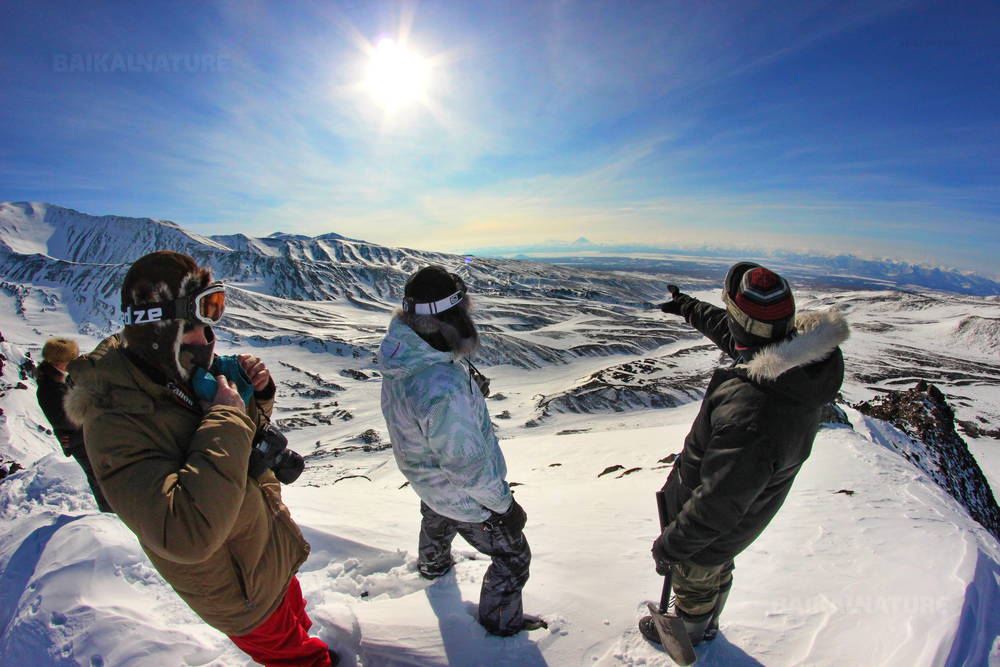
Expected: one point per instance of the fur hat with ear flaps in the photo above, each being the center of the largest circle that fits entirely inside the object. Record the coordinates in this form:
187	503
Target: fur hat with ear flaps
450	330
161	277
60	350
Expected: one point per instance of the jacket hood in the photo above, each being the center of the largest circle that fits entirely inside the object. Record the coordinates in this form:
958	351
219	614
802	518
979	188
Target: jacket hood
404	353
809	366
105	377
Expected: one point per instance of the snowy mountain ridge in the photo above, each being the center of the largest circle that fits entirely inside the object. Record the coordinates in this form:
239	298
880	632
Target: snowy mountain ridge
587	378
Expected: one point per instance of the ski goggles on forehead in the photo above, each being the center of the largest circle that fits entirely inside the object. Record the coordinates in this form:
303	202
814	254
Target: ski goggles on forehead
441	305
204	307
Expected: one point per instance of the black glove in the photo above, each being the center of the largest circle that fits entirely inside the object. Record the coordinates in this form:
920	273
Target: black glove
660	558
513	519
673	307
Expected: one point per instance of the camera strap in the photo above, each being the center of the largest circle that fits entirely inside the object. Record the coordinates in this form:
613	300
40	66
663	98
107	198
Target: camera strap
481	380
182	396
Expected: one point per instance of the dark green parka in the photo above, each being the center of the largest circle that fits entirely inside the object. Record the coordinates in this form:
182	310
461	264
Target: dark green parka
755	429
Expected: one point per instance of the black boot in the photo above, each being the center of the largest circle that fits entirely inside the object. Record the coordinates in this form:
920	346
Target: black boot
675	640
695	625
435	570
713	626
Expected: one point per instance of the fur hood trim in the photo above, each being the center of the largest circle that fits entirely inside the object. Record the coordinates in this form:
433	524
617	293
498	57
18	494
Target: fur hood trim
818	334
80	401
429	325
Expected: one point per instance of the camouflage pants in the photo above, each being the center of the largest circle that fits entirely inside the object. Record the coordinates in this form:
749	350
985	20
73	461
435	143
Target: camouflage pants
500	610
697	587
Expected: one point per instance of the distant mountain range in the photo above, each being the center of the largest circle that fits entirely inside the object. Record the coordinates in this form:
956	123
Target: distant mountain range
849	271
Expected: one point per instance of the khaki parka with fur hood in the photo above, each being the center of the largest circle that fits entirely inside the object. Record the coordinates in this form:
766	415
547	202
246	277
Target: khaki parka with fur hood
178	479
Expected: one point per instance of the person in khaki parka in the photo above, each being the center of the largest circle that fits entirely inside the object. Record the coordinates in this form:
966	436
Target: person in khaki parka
183	474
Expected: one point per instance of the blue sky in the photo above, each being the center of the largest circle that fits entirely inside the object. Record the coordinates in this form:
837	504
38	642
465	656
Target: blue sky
870	127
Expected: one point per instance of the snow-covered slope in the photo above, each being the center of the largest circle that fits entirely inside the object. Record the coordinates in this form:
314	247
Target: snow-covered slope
893	573
587	377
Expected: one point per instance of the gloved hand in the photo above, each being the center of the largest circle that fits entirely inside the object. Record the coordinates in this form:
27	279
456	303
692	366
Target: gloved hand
673	307
513	519
660	558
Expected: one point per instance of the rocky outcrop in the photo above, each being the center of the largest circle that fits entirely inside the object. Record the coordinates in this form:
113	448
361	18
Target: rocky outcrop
651	383
8	467
924	415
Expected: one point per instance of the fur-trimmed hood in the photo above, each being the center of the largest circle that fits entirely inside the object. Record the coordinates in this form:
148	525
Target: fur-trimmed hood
95	375
795	365
457	332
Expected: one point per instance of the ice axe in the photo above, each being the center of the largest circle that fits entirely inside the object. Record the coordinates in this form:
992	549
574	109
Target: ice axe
670	627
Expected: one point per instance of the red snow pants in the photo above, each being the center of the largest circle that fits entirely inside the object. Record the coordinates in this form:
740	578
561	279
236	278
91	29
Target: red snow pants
283	639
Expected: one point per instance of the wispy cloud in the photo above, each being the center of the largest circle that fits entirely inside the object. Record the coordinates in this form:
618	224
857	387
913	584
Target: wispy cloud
698	121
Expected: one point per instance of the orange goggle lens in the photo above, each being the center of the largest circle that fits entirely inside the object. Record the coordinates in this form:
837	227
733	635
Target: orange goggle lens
210	305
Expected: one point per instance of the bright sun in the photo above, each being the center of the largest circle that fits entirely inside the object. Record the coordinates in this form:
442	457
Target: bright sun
396	76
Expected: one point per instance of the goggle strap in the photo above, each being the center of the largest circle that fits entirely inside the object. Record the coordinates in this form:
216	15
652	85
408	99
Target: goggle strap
148	313
185	307
439	306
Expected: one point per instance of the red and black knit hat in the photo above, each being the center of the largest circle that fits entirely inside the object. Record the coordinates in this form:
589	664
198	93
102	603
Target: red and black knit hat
161	276
759	302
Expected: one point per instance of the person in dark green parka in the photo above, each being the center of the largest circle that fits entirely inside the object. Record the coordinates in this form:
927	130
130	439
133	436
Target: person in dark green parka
754	431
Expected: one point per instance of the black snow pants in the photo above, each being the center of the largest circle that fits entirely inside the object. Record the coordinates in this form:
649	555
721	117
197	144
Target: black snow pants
80	454
500	609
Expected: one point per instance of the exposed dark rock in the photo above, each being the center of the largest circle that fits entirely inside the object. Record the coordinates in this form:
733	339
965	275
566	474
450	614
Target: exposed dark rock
832	413
305	419
499	396
316	392
975	431
659	382
628	472
610	469
340	479
354	375
924	415
669	458
370	437
504	415
572	431
8	468
846	492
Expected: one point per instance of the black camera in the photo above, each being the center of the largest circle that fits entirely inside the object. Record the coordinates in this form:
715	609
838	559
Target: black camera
270	450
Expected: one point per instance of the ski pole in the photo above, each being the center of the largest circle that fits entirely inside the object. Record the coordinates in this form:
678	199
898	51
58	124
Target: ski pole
661	508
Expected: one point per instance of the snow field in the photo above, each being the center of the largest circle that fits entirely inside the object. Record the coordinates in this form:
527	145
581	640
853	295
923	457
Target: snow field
894	574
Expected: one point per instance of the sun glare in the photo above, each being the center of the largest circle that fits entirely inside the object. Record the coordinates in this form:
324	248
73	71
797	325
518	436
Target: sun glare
396	76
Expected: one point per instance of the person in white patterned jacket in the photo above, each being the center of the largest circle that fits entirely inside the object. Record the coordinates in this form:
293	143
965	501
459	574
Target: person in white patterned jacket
444	444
